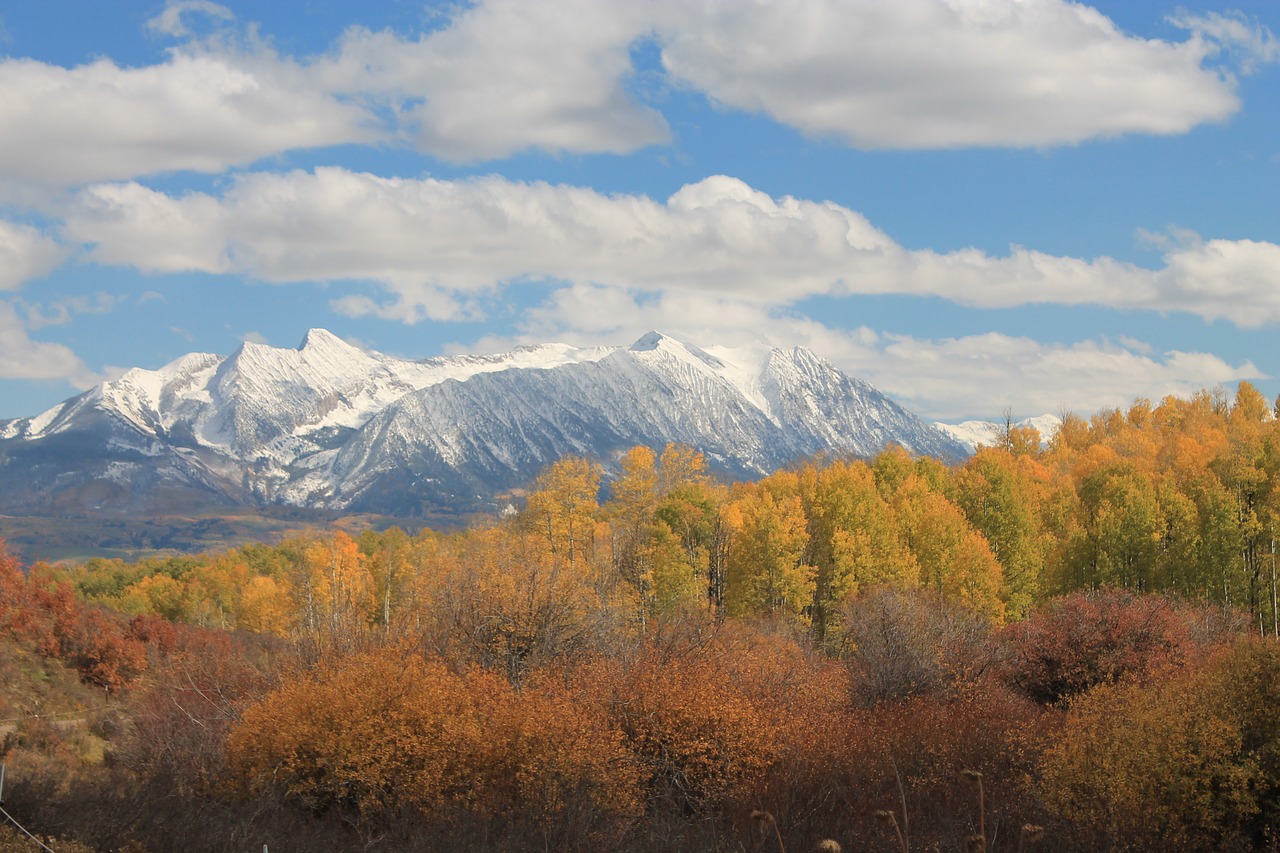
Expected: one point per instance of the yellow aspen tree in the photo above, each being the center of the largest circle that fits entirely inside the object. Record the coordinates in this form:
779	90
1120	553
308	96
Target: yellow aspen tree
853	537
633	499
335	588
215	590
680	466
1000	496
766	573
162	595
692	515
266	607
953	558
1122	525
676	580
1249	405
563	506
388	558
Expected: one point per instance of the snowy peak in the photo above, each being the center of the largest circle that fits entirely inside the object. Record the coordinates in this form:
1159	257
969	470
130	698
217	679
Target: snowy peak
324	340
329	424
664	346
976	434
650	341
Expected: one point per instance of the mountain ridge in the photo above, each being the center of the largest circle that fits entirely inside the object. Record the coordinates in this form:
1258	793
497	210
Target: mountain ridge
330	425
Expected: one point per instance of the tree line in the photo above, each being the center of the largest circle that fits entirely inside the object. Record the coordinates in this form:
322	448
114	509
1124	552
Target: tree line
1068	644
1181	497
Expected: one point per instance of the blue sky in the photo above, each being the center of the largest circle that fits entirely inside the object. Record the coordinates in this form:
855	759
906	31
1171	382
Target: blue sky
973	204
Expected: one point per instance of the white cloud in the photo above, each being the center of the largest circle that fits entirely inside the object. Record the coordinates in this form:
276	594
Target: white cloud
23	358
949	379
422	238
131	225
1235	280
943	73
25	253
1248	41
440	248
200	111
172	21
508	75
945	378
504	76
60	311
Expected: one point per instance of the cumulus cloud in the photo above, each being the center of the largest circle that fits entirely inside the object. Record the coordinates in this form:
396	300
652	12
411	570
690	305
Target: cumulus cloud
437	246
424	237
944	378
508	75
25	253
23	358
132	225
1235	280
504	76
201	111
949	379
944	73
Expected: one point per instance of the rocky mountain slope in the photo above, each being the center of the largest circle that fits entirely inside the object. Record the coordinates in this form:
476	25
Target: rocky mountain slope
329	425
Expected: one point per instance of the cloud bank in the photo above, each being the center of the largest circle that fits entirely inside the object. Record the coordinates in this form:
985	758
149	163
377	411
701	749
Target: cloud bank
948	379
431	243
505	76
502	77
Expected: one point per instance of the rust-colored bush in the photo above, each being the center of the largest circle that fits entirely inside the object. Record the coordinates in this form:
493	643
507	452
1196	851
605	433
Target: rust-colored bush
1081	640
366	734
1187	759
552	758
375	734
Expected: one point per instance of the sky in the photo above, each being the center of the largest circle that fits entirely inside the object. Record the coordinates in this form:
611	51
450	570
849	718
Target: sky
978	206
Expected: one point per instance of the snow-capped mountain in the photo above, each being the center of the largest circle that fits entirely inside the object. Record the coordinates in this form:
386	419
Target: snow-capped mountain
330	425
975	434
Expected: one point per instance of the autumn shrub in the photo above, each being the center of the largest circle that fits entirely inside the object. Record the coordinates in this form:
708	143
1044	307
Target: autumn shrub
500	599
804	697
553	760
380	734
700	736
1078	641
45	616
23	617
99	645
899	643
365	734
199	682
917	749
1188	759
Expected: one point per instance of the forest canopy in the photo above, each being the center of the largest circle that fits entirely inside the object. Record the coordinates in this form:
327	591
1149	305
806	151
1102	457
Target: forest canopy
1083	629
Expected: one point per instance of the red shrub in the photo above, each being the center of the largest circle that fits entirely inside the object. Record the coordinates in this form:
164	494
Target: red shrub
1088	638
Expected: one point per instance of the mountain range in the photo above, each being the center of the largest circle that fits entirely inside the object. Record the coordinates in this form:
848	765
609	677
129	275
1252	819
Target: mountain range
975	434
329	425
